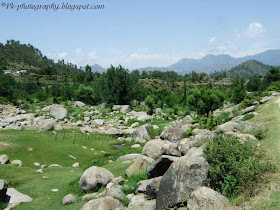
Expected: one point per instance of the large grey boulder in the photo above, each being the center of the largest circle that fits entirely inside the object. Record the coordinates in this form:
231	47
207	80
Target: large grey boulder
4	159
248	109
94	178
175	133
49	125
86	129
16	127
228	126
241	136
204	198
141	116
15	198
160	166
140	165
129	156
79	104
185	175
153	187
266	98
142	134
113	131
57	111
103	106
114	190
68	199
3	189
104	203
140	202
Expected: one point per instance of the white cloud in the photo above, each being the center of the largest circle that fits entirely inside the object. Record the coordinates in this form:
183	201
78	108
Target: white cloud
255	30
211	40
62	55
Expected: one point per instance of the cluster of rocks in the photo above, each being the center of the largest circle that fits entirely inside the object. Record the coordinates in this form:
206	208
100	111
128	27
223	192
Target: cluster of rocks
4	159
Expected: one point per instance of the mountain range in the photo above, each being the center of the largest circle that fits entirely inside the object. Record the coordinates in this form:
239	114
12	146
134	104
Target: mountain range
212	63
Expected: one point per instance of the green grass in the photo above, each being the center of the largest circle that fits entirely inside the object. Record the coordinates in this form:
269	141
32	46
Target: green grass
48	149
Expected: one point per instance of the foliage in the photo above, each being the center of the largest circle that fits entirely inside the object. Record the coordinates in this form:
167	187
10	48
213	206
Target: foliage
7	86
272	75
254	83
238	92
85	94
248	116
209	123
150	102
131	185
234	167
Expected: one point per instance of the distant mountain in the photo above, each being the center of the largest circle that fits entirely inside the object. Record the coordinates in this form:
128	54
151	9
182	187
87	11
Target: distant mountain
211	63
249	68
98	68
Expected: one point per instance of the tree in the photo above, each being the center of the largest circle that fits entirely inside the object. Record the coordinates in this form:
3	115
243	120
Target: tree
7	86
150	102
254	83
238	92
84	94
272	75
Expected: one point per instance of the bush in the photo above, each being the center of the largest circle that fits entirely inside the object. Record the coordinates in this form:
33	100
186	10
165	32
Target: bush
131	185
248	116
84	94
259	132
234	167
209	123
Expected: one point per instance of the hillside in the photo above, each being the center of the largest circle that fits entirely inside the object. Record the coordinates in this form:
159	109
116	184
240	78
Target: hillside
249	68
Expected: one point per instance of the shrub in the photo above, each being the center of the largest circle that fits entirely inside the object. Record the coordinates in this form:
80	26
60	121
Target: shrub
131	185
259	132
248	116
234	167
209	123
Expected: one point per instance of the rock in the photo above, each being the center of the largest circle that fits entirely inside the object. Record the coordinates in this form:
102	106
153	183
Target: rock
4	159
37	164
98	122
86	129
248	109
153	148
140	165
114	190
136	124
39	171
54	190
68	199
185	175
79	104
48	126
155	127
76	165
134	146
118	180
139	202
204	198
129	131
153	187
58	112
266	98
15	127
15	198
170	148
113	131
141	116
186	144
47	108
142	134
94	178
24	106
142	185
228	126
160	166
129	156
58	127
241	136
104	203
197	131
103	106
125	108
158	110
55	165
175	133
3	189
17	162
90	196
188	118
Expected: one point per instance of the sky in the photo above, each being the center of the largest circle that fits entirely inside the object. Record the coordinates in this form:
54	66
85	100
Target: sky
141	33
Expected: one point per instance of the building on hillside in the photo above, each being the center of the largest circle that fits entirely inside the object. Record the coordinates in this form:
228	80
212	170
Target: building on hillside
9	71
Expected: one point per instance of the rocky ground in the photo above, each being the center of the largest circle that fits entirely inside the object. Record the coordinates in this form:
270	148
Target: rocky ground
175	168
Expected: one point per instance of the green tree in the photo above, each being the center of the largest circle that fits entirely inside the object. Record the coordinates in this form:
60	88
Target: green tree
85	94
238	92
7	86
254	83
272	75
150	102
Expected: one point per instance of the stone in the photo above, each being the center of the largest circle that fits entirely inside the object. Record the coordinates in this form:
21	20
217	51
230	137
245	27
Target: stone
160	166
185	175
248	109
114	190
24	106
15	127
94	178
103	106
125	108
129	156
37	164
15	198
142	185
140	165
241	136
55	166
139	202
228	126
153	187
48	126
141	116
114	131
204	198
68	199
39	171
4	159
58	112
79	104
86	129
153	148
175	133
142	134
104	203
54	190
118	180
266	98
76	165
98	122
58	127
3	189
135	146
17	162
136	124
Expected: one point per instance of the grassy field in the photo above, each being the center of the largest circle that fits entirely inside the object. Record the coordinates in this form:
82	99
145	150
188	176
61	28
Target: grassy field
49	148
269	195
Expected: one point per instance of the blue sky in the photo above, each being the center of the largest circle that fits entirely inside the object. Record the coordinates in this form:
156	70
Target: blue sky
143	33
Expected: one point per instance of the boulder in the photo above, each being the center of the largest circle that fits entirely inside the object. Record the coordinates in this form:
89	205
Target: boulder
153	148
266	98
197	131
160	166
104	203
4	159
79	104
16	162
86	129
136	124
129	156
118	180
185	175
204	198
175	133
94	178
24	106
153	187
58	127
228	126
15	127
57	111
114	131
186	144
114	190
3	189
248	109
142	185
15	198
140	165
241	136
48	126
98	122
141	116
139	202
142	134
68	199
103	106
76	165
